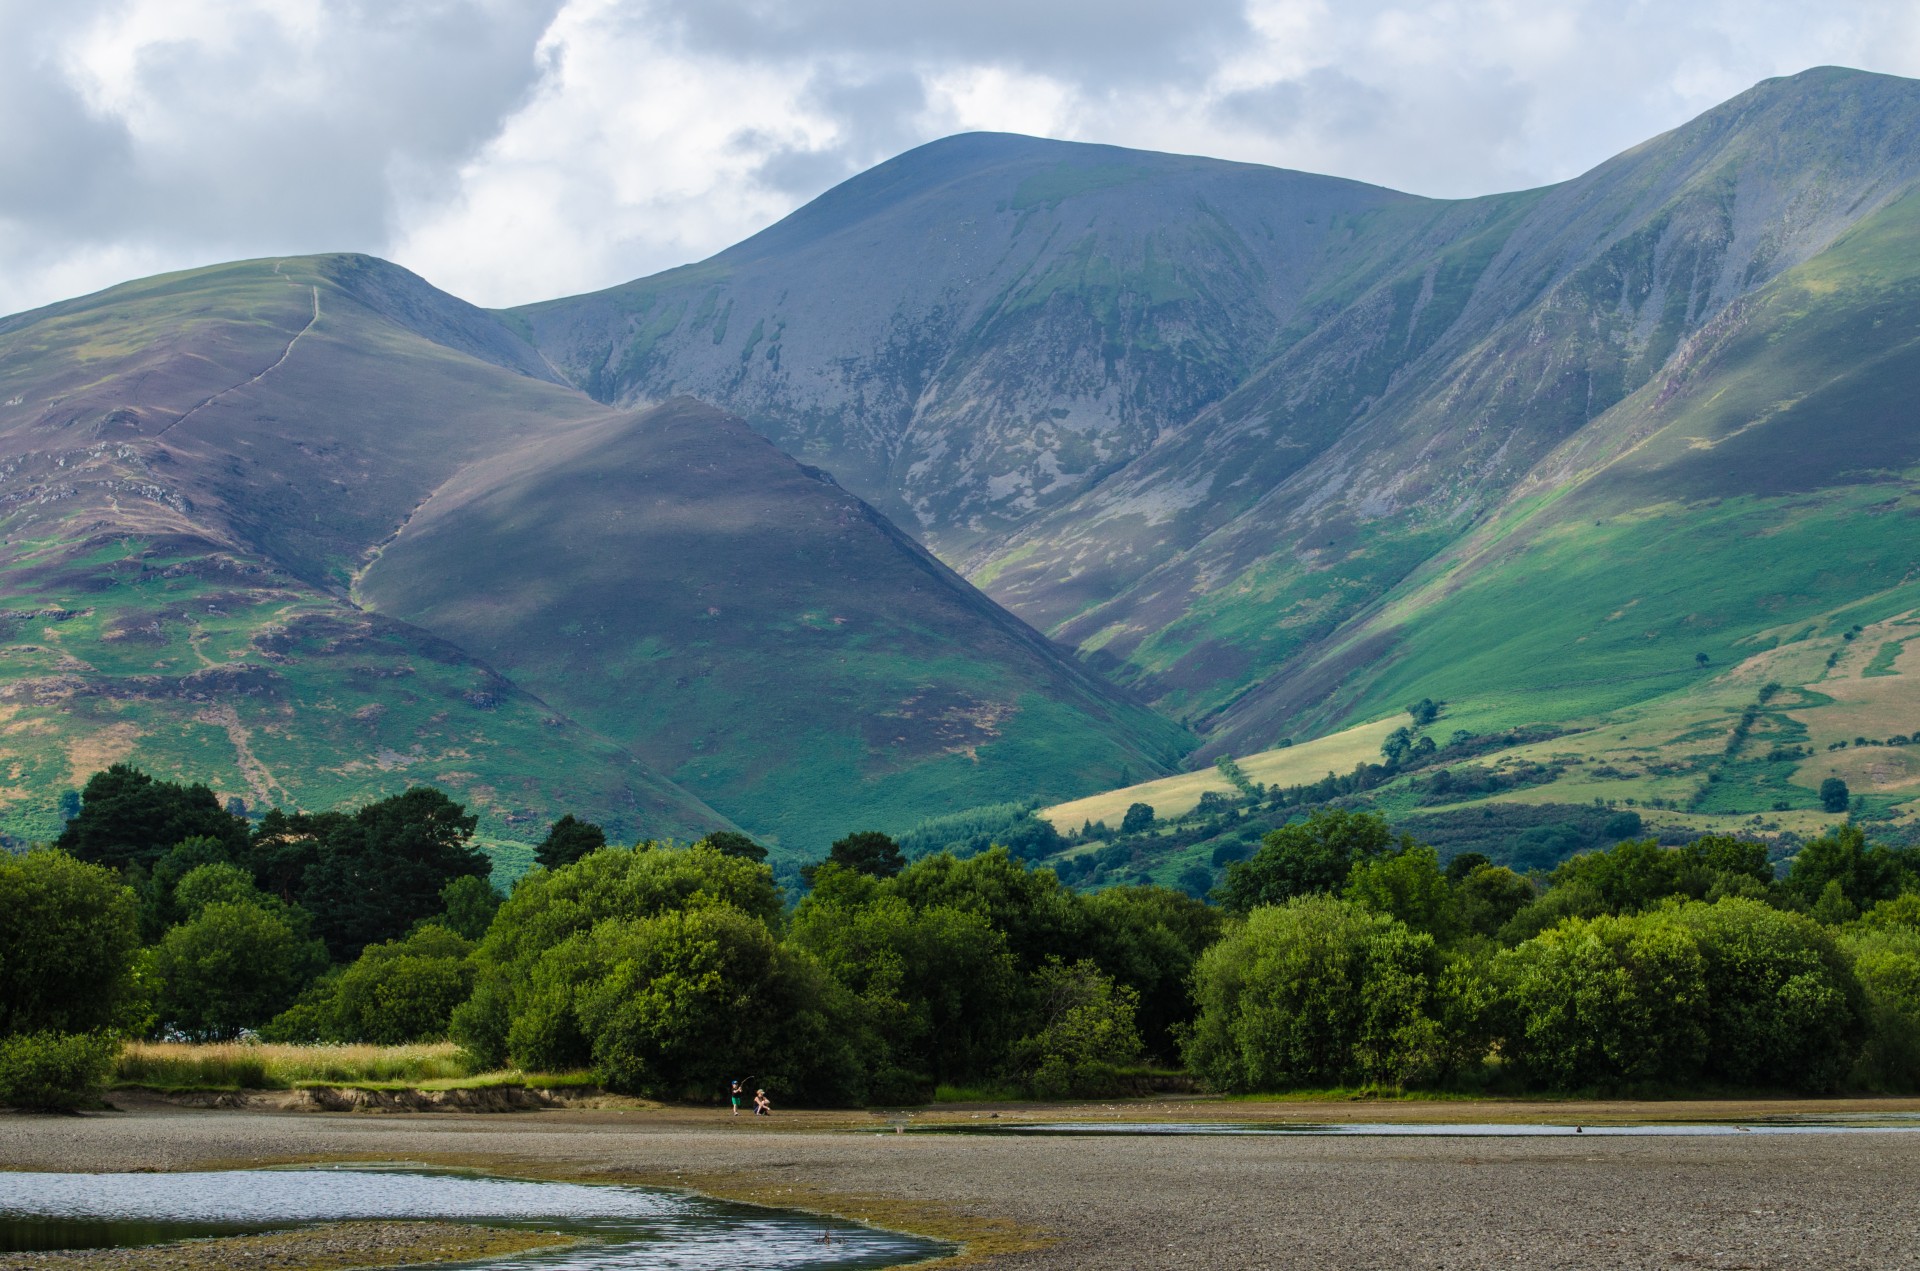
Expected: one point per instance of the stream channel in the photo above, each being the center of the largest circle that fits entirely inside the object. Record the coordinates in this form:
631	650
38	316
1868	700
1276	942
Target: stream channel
626	1228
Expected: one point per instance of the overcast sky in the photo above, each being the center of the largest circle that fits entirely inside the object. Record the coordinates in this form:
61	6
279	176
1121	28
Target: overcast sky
515	150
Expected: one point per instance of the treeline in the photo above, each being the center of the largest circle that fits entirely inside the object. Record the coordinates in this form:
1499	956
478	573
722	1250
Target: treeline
1338	954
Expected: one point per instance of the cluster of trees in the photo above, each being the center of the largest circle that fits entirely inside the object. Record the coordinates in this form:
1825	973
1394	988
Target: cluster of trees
1338	953
1358	959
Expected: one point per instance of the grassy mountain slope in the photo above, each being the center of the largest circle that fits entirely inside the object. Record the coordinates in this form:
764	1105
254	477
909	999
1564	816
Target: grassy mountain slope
981	327
200	473
753	630
1347	471
190	469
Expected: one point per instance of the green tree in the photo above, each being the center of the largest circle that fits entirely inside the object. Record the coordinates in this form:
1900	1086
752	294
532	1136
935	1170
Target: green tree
232	965
1834	795
128	818
1314	855
937	984
68	944
1782	1008
402	990
569	840
1083	1032
734	843
469	903
551	907
1138	818
868	852
1606	1002
1886	960
1318	991
1865	873
1149	939
1038	915
670	1005
1488	897
1407	885
382	869
159	909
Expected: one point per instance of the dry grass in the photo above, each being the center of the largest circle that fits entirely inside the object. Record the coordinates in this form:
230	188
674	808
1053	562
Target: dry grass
268	1066
1291	765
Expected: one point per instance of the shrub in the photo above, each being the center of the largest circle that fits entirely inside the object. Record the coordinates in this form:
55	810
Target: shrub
400	991
55	1071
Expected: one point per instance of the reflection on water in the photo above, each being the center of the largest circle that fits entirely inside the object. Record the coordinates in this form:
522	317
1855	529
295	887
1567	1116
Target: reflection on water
1869	1123
630	1227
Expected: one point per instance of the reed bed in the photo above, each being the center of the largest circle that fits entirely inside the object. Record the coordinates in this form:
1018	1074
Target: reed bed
274	1066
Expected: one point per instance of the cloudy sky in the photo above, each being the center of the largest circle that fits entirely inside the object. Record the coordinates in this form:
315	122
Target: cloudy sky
514	150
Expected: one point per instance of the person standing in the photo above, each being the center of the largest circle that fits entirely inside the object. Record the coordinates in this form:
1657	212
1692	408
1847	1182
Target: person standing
737	1093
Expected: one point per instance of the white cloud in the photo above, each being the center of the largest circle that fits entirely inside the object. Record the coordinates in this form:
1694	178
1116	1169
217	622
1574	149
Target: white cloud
512	150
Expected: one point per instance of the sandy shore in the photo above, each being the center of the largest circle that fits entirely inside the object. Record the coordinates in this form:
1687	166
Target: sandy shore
1739	1201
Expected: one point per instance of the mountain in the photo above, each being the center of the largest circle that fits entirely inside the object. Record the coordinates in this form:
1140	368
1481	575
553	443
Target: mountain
980	328
1326	406
205	477
1619	471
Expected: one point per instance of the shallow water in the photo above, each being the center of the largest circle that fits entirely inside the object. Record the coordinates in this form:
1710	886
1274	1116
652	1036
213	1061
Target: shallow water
1872	1123
631	1227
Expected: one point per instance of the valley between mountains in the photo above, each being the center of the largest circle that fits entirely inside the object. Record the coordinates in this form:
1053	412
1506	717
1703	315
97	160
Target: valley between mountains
1017	473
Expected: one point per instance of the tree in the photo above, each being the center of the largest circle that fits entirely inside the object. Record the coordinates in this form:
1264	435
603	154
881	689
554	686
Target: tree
159	909
127	817
1149	940
1865	873
233	965
1488	897
552	907
936	984
68	941
470	902
672	1004
868	852
1039	916
1314	855
1407	885
734	843
402	990
1083	1032
1138	818
568	841
1834	795
1783	1009
377	872
1317	991
1606	1002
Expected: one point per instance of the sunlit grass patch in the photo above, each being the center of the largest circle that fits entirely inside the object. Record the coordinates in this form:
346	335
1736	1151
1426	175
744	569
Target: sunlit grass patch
266	1066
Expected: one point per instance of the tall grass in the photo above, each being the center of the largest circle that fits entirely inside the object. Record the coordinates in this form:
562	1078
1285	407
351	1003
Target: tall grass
266	1066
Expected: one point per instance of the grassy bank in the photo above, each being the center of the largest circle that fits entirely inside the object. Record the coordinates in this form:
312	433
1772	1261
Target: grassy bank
260	1066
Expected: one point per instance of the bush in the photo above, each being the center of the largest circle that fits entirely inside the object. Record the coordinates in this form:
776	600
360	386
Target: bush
1315	992
55	1071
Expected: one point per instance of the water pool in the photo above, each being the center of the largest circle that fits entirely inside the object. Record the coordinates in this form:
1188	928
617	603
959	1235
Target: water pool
625	1227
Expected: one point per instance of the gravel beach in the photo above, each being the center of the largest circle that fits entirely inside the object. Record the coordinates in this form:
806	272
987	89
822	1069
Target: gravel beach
1734	1201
